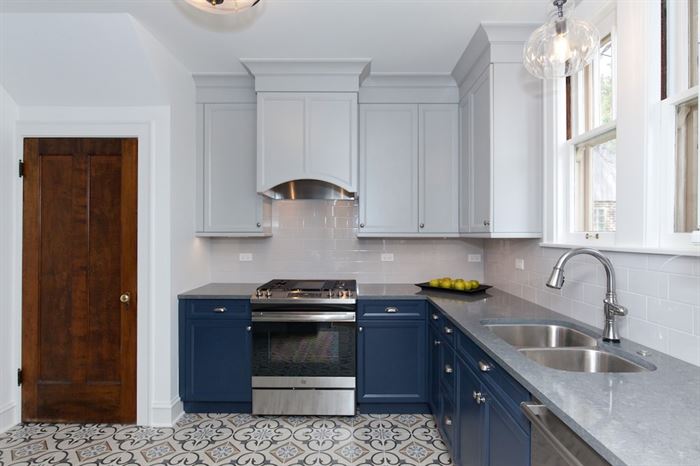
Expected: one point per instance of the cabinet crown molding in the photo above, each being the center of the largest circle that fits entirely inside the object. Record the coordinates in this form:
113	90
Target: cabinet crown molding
416	88
493	42
224	88
307	75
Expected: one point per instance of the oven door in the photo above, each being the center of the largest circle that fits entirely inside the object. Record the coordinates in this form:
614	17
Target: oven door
304	350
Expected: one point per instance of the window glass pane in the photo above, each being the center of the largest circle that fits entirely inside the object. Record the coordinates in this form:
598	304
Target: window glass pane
687	203
693	43
595	197
605	79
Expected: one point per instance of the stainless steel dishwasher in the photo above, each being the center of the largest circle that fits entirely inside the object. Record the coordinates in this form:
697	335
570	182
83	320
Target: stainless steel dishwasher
554	444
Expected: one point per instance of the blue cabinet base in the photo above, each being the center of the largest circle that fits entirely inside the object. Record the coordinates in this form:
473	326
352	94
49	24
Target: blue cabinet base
393	408
216	407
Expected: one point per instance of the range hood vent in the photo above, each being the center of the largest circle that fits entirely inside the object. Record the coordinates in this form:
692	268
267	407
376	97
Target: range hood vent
308	189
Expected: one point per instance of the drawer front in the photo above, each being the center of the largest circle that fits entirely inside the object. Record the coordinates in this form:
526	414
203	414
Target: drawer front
448	420
495	376
448	331
218	309
435	317
409	309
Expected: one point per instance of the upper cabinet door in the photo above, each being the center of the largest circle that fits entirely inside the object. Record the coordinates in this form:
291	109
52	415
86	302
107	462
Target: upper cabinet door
307	136
439	168
332	138
479	140
231	203
389	168
464	159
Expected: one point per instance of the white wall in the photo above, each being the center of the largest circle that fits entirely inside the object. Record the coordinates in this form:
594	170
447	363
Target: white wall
317	239
8	279
662	292
189	256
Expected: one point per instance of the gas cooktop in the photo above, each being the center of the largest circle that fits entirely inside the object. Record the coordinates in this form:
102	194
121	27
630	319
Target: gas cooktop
340	291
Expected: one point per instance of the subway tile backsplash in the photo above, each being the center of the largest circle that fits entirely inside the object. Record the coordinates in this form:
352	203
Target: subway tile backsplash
313	238
662	292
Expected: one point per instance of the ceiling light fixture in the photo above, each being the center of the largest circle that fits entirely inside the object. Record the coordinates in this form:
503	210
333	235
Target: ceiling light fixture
223	7
560	47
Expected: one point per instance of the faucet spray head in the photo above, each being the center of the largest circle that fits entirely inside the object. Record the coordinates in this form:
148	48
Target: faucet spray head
556	279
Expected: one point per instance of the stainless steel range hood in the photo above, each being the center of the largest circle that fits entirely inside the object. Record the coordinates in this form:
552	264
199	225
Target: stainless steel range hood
308	189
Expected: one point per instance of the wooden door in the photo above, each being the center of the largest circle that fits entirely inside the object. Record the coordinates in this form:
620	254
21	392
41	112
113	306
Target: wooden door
79	262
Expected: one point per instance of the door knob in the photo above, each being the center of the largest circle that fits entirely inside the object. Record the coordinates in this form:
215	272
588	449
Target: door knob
125	298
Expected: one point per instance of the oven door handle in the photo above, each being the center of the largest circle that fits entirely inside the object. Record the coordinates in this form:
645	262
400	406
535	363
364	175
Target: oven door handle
307	316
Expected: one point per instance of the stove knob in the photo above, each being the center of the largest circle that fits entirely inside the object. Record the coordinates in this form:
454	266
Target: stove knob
268	293
258	293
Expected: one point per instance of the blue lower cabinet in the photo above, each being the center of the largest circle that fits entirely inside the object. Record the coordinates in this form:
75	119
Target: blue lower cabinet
392	363
509	444
215	363
435	352
471	417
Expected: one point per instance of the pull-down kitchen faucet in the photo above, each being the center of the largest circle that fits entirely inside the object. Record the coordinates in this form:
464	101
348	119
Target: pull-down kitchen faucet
610	306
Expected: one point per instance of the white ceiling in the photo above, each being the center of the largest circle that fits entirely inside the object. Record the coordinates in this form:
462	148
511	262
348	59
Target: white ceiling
401	36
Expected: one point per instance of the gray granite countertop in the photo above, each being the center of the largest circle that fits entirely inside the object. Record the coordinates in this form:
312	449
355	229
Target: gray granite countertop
221	291
635	419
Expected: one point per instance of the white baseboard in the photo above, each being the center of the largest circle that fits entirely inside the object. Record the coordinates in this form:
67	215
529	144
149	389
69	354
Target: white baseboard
8	416
165	414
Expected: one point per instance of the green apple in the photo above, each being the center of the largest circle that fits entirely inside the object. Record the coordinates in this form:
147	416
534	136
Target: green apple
474	284
460	285
435	282
446	283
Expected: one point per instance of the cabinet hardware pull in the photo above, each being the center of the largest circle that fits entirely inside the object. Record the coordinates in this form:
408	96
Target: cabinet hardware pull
362	225
360	329
422	225
259	224
436	317
249	328
448	369
589	236
448	421
448	330
478	397
487	223
436	342
220	309
485	367
391	310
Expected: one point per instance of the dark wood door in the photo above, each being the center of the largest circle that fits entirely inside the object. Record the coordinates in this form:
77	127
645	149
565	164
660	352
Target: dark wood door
79	264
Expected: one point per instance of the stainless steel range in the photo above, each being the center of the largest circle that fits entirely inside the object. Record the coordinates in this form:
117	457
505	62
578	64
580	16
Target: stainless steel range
304	335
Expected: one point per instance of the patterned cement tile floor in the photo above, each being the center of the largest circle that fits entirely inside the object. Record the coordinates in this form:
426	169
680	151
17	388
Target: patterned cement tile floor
233	439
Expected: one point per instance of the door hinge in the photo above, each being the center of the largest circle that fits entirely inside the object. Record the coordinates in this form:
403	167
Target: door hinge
19	377
21	168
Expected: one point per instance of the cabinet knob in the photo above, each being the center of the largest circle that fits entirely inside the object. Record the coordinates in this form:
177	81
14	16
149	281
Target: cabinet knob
484	366
436	317
422	225
362	225
487	223
359	329
448	369
478	397
249	328
436	342
448	421
391	310
259	224
448	330
220	310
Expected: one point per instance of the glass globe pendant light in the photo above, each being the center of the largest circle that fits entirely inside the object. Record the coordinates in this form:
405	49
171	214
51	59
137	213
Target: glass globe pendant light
560	47
223	7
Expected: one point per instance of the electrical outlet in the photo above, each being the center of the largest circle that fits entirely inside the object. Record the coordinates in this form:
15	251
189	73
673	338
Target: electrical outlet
387	257
520	264
245	257
474	258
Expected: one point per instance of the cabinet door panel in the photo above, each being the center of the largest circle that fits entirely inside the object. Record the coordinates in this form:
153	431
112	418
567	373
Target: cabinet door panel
438	168
508	444
389	168
471	417
464	157
231	203
434	343
218	365
281	145
480	154
332	138
391	362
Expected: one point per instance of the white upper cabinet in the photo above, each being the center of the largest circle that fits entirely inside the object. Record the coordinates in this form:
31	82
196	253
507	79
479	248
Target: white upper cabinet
305	135
409	170
228	204
500	137
438	172
389	164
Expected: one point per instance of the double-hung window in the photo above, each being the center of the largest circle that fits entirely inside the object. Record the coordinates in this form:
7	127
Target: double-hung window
590	149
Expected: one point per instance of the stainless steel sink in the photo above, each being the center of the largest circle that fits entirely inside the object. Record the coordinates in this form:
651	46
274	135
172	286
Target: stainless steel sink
581	360
541	335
